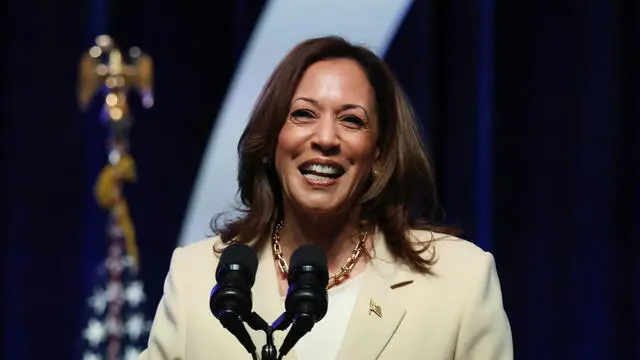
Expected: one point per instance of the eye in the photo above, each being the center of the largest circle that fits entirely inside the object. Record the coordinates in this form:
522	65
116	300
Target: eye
301	114
354	121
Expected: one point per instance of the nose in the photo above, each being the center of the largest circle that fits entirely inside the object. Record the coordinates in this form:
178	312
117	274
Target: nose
325	138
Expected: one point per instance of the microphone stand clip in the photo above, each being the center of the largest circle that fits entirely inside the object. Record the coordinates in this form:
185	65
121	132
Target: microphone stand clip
257	323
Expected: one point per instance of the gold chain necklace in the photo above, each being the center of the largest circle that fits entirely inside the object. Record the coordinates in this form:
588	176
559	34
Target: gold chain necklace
333	278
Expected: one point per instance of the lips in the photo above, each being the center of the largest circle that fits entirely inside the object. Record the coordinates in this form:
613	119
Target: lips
321	170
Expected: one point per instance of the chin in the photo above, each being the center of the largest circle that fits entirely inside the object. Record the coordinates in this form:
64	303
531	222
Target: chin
319	207
320	199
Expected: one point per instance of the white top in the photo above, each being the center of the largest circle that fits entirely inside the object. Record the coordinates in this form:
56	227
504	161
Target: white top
324	340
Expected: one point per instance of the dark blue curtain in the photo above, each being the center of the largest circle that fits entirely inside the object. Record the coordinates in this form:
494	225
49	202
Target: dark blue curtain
531	109
567	128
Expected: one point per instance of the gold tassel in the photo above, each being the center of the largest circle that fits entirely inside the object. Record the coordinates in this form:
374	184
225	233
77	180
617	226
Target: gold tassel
108	193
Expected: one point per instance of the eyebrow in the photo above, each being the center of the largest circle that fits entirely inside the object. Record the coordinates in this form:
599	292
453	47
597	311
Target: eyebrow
342	108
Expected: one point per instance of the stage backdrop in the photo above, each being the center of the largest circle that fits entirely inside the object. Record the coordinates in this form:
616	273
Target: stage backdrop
531	110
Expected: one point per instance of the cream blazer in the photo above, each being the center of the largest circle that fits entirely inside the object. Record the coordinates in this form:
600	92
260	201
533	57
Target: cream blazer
455	313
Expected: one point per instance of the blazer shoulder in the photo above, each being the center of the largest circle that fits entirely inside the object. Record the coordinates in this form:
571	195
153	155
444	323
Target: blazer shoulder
440	242
451	253
201	245
196	254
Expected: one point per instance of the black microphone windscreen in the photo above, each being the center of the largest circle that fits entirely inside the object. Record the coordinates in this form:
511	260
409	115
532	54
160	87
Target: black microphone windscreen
310	255
241	256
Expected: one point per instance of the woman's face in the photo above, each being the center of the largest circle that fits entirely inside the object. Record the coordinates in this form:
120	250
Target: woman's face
327	146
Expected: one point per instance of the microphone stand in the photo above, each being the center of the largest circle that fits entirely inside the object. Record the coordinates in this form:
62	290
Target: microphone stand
257	323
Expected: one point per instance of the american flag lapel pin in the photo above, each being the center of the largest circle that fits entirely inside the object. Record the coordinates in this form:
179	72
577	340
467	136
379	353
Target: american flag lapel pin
375	308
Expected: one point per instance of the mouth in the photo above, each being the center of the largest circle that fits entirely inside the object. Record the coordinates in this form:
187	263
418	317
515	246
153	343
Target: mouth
320	171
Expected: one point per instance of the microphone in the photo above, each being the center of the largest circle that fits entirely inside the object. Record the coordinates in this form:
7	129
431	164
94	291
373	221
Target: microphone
306	301
230	300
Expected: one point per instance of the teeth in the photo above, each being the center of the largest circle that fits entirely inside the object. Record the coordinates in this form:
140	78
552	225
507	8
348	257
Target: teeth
321	169
318	178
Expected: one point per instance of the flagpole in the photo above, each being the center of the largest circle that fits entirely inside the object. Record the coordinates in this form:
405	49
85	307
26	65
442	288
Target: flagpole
103	70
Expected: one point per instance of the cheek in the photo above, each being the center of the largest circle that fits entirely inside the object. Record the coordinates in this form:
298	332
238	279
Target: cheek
284	141
363	149
287	147
289	139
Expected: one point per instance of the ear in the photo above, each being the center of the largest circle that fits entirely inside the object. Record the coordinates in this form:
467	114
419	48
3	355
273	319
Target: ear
376	162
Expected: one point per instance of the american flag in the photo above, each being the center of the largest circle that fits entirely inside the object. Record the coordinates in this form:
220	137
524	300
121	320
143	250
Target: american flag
116	327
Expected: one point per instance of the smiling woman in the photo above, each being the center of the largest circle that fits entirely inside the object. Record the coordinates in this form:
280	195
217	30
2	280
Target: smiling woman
332	156
329	102
327	147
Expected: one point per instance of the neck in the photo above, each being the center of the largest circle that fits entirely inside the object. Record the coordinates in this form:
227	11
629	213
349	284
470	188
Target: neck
337	235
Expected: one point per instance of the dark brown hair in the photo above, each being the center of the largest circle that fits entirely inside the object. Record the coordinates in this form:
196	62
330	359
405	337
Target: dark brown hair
401	197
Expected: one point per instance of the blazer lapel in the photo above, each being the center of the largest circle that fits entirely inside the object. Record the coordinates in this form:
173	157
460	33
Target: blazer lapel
269	305
377	312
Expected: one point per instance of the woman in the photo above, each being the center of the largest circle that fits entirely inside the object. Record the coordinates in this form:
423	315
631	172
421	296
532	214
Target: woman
332	156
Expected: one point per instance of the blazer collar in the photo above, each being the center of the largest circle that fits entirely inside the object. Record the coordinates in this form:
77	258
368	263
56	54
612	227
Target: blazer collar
376	315
377	312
